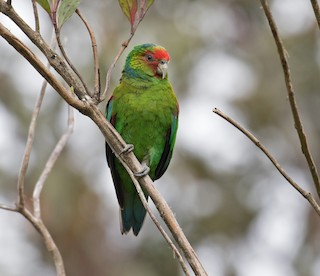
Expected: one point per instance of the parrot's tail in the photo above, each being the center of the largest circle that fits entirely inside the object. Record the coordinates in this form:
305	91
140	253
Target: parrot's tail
132	214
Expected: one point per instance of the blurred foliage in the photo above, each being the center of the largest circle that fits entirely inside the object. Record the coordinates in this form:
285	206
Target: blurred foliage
235	206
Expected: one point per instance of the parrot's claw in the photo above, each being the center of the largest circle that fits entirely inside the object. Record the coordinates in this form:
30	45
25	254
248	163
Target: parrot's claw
128	148
145	171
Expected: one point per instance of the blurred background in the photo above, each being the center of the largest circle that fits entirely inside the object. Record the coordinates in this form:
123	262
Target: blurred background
240	215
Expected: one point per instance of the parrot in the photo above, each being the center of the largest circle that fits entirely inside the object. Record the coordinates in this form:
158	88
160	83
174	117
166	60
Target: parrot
143	108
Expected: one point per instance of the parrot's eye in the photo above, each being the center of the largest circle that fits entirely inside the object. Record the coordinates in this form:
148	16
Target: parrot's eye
162	62
149	57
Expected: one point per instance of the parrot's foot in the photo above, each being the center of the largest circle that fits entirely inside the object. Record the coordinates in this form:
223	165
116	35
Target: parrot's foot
128	148
144	171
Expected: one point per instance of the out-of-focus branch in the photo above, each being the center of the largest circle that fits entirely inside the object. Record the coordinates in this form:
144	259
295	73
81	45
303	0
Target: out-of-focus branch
316	10
64	54
21	208
36	15
31	132
50	163
304	193
43	231
96	69
30	139
48	240
8	208
294	108
108	77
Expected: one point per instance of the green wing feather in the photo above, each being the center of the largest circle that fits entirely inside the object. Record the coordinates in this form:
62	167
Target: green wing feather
168	148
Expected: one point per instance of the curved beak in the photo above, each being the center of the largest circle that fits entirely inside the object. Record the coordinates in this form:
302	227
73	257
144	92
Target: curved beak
162	68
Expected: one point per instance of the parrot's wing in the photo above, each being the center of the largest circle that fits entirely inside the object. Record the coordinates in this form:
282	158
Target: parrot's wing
111	157
168	148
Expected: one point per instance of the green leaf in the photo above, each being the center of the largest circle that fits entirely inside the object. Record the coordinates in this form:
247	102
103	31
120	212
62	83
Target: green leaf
45	5
65	10
135	10
129	8
144	5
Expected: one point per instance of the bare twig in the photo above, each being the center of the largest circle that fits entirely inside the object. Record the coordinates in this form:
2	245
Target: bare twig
304	193
155	221
36	15
64	54
51	246
96	69
27	152
108	77
8	208
316	10
291	96
50	163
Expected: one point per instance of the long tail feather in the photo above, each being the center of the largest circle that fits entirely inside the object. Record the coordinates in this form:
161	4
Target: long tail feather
132	214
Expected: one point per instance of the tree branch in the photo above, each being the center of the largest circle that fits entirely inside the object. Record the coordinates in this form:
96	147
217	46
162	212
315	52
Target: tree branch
316	10
8	208
307	195
121	50
21	208
291	96
96	69
50	163
48	240
64	54
36	16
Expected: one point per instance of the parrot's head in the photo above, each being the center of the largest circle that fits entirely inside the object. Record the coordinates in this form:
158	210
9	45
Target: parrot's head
147	60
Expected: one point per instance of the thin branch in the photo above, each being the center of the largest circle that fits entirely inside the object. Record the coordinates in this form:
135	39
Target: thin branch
96	69
50	163
36	16
108	77
64	54
304	193
294	108
50	244
8	208
27	152
316	10
155	221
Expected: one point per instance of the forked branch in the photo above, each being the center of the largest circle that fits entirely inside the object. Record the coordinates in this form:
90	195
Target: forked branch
294	108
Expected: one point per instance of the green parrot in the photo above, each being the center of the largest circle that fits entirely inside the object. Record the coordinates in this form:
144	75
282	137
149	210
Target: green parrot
144	110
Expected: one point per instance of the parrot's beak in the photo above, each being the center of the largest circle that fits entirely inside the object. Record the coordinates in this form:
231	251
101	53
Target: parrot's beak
162	68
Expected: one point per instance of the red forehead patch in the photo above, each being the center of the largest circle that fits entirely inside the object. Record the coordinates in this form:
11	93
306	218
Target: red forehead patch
161	53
